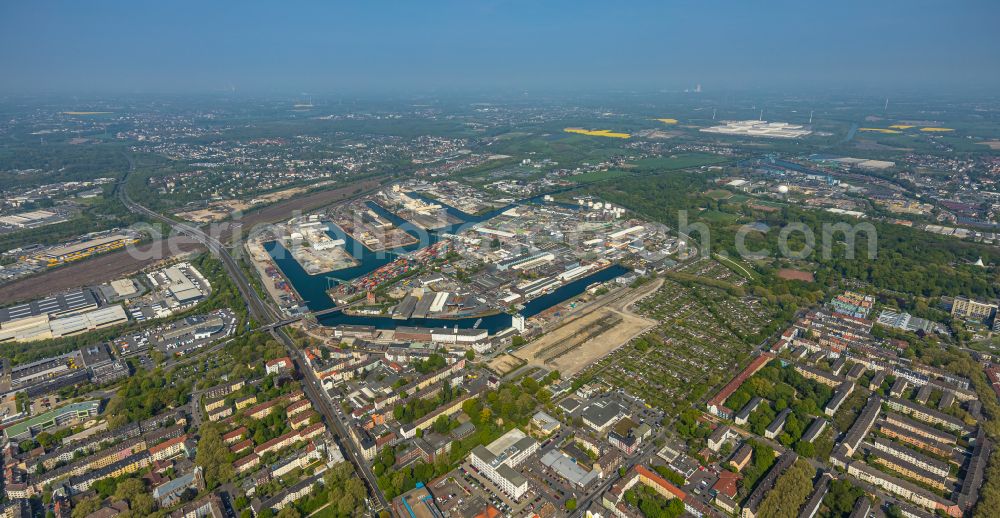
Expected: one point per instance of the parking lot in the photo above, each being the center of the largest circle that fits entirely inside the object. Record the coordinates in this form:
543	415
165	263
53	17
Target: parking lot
180	337
479	485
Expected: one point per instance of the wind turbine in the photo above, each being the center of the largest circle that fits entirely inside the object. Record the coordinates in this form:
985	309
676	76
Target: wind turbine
810	116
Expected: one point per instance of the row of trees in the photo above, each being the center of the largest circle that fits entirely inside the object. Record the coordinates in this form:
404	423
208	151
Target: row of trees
790	491
213	456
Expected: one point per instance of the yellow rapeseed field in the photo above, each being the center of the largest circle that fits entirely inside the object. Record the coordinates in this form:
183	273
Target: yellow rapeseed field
597	133
936	130
902	126
668	121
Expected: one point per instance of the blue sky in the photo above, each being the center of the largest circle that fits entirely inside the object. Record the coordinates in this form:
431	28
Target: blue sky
181	46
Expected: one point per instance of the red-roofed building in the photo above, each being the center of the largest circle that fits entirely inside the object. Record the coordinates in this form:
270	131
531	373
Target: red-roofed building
993	373
358	413
241	446
297	407
786	339
168	448
264	409
278	365
715	405
234	436
246	463
614	497
727	483
659	484
62	507
301	419
313	430
489	512
311	356
277	443
386	439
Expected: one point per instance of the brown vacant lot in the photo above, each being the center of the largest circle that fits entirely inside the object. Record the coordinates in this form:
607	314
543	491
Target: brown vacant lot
285	210
595	332
505	363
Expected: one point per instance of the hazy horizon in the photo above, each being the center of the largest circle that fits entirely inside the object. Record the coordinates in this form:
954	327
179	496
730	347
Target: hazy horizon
316	48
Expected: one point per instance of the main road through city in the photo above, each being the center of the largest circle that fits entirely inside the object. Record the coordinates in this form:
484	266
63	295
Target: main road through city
265	317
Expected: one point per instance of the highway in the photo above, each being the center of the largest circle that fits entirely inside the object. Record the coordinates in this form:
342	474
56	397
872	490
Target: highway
266	317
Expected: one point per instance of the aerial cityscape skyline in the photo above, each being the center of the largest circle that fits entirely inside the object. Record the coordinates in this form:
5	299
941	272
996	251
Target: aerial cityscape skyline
500	260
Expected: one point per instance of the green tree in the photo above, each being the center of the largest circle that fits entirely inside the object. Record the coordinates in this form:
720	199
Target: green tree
441	424
86	507
790	491
133	491
841	497
213	456
805	448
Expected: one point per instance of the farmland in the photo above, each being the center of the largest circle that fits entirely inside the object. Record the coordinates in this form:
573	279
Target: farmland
597	133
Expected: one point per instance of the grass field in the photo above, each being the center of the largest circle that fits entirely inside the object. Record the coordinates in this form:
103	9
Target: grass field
674	162
881	130
598	176
719	194
718	217
657	165
765	203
